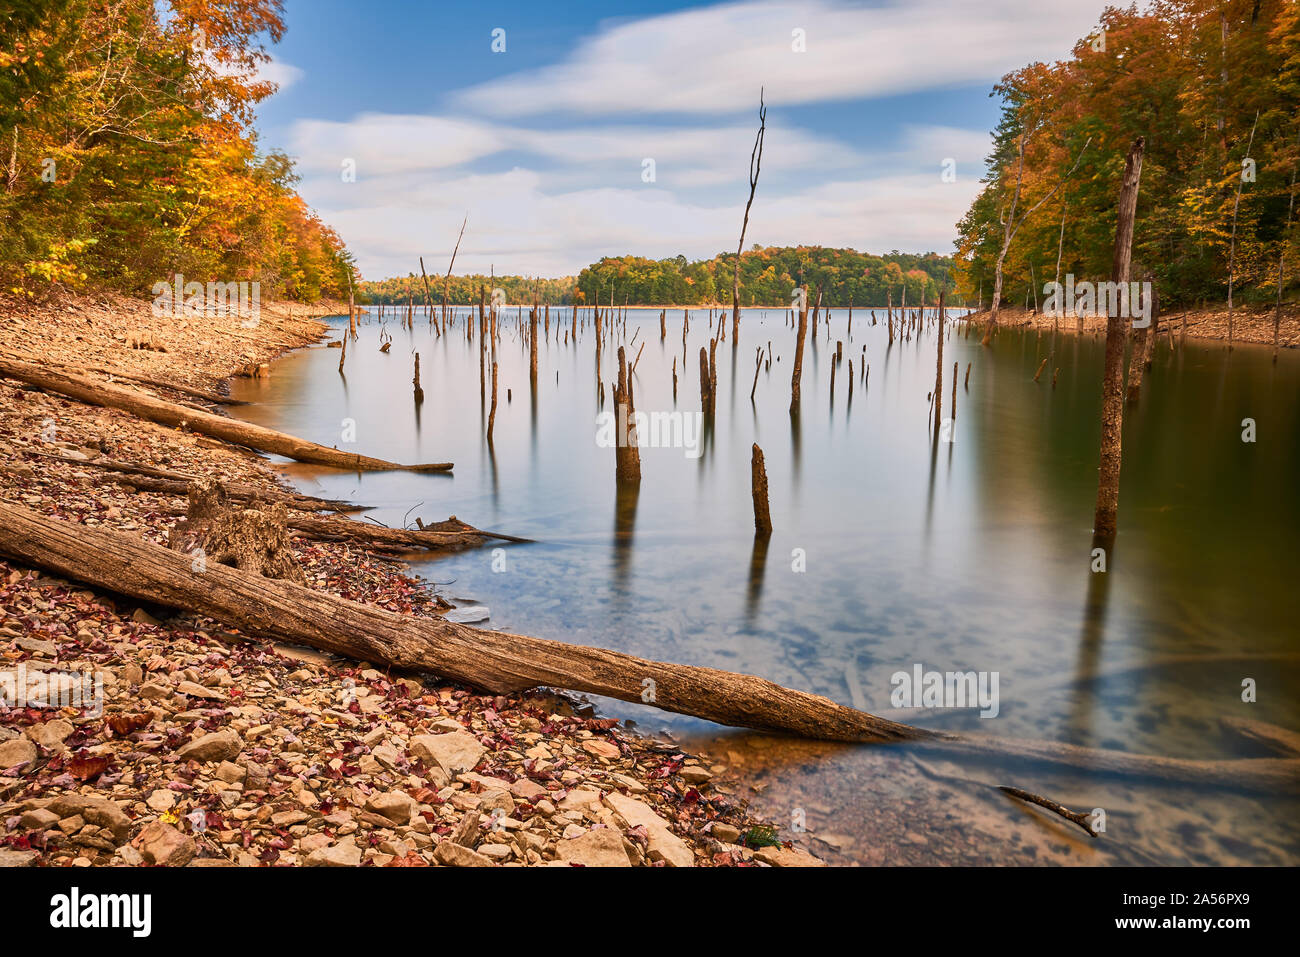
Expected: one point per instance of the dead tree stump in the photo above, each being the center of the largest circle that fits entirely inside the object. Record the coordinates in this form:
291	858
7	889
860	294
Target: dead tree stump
251	539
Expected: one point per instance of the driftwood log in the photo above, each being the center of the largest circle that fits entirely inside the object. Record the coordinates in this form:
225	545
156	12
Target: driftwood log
114	396
494	661
500	662
146	478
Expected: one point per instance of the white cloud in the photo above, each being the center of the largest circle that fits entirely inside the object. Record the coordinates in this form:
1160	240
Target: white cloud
553	221
547	196
714	59
283	75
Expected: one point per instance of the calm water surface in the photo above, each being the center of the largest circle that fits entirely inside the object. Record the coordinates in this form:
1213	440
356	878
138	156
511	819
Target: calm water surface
973	554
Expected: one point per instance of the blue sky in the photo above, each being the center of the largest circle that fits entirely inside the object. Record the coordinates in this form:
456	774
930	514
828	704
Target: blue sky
546	146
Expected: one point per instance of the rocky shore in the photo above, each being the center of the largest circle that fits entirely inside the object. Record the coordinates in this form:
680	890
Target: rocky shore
1250	325
216	749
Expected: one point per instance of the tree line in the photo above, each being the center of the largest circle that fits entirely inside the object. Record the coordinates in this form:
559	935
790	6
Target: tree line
1214	88
767	277
128	154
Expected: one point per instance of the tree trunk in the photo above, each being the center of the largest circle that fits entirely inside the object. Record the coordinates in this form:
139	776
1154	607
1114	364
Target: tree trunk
758	488
938	374
627	453
1112	389
113	396
494	661
797	375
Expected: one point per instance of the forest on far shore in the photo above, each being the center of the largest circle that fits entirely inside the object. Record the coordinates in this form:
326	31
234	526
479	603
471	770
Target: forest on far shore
767	277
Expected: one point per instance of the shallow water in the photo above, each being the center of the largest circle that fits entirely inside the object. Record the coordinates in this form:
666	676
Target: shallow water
969	555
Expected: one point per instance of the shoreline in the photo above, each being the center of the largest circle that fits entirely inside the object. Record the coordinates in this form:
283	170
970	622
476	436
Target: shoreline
1252	326
252	753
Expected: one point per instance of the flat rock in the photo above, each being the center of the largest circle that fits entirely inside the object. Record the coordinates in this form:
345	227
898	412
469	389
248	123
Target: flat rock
450	854
599	847
527	790
194	690
16	752
663	844
10	858
396	806
50	734
787	857
164	845
46	649
217	746
95	810
454	752
343	854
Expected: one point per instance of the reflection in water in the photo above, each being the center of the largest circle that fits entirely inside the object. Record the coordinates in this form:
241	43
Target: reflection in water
984	572
625	499
757	569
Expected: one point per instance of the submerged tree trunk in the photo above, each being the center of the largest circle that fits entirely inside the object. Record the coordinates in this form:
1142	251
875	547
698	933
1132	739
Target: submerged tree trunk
802	334
627	453
1112	388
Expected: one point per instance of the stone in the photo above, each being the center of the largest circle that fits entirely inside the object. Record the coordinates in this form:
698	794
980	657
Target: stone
787	857
454	751
343	854
231	773
397	806
450	854
601	749
217	746
194	690
10	858
496	852
45	649
161	800
50	734
496	800
725	832
694	774
599	847
527	790
16	753
39	818
96	810
164	845
663	844
386	755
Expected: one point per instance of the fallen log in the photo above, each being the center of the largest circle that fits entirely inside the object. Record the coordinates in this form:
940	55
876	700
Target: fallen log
494	661
1280	740
113	396
145	478
503	663
193	391
452	533
1261	774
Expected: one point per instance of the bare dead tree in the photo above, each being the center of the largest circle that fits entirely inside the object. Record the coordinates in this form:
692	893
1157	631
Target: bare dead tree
446	283
1105	520
755	163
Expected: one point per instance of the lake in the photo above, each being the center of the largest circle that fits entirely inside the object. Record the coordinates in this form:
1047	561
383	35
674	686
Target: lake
890	550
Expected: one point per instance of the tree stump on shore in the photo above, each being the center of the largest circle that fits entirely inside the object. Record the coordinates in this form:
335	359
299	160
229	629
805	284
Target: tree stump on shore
251	539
